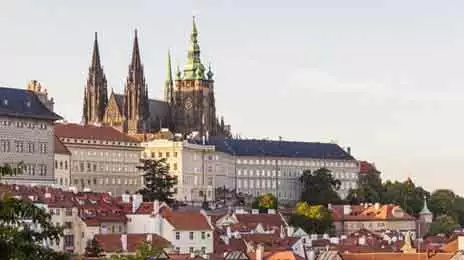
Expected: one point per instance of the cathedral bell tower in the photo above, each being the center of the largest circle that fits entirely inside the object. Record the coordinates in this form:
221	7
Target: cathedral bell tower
95	92
193	106
136	94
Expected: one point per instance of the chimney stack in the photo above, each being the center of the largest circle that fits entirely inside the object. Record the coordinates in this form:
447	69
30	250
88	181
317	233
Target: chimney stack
124	242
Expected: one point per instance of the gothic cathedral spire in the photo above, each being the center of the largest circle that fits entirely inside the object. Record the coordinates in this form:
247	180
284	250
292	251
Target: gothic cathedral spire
95	93
136	93
169	83
194	69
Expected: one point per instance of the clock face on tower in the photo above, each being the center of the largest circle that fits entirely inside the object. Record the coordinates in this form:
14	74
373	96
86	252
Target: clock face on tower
188	104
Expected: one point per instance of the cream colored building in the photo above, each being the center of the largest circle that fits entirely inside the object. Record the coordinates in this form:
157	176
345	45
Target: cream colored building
266	166
103	159
62	164
27	136
199	168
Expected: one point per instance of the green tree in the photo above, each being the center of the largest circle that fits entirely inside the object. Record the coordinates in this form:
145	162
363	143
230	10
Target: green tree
93	248
442	202
159	184
315	219
370	189
443	224
319	187
405	194
265	202
19	237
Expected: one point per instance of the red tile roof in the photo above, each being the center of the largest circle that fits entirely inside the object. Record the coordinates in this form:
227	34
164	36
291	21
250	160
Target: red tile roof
268	221
396	256
362	213
112	242
91	132
60	148
187	220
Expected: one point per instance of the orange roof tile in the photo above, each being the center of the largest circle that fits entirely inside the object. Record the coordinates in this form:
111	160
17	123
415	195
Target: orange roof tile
187	220
396	256
112	242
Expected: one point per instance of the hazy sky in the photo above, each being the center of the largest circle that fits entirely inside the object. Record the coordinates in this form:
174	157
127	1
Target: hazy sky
384	77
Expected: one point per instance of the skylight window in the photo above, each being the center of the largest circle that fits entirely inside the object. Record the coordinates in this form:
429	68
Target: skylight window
28	103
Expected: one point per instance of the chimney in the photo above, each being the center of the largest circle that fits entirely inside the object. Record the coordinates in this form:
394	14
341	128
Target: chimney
136	201
348	150
329	206
149	237
254	211
460	243
156	207
124	242
125	198
192	255
377	206
346	210
229	232
259	252
362	241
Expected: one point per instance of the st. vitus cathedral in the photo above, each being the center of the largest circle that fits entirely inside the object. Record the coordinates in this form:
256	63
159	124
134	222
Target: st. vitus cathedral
188	104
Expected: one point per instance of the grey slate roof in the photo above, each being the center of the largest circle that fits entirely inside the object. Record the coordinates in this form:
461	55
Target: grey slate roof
23	103
253	147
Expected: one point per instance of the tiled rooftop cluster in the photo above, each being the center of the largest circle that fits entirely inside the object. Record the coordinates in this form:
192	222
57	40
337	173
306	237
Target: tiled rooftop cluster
235	232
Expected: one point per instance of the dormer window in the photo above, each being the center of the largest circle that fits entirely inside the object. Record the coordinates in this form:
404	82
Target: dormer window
5	102
28	103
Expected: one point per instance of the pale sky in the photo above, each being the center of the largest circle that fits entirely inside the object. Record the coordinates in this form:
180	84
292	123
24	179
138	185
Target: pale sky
384	77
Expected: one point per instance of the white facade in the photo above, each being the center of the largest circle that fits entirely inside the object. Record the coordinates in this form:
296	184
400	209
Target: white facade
183	241
62	169
104	166
30	141
199	168
257	175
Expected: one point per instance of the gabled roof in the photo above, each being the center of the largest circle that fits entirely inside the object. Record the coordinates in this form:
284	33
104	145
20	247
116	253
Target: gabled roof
106	133
111	243
189	221
24	103
254	147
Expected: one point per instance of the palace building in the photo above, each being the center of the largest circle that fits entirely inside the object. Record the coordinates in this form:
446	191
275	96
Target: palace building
188	105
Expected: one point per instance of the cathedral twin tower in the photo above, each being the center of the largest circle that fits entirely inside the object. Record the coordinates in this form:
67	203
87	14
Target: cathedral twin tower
188	104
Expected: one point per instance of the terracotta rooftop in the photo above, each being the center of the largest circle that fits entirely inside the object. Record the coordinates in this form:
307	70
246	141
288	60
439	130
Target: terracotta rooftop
112	242
187	220
106	133
371	212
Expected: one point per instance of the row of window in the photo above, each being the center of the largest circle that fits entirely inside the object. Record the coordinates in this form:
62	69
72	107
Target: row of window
203	235
62	182
33	169
286	172
86	166
196	180
57	211
160	155
22	147
73	140
319	163
107	181
23	124
61	164
107	154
